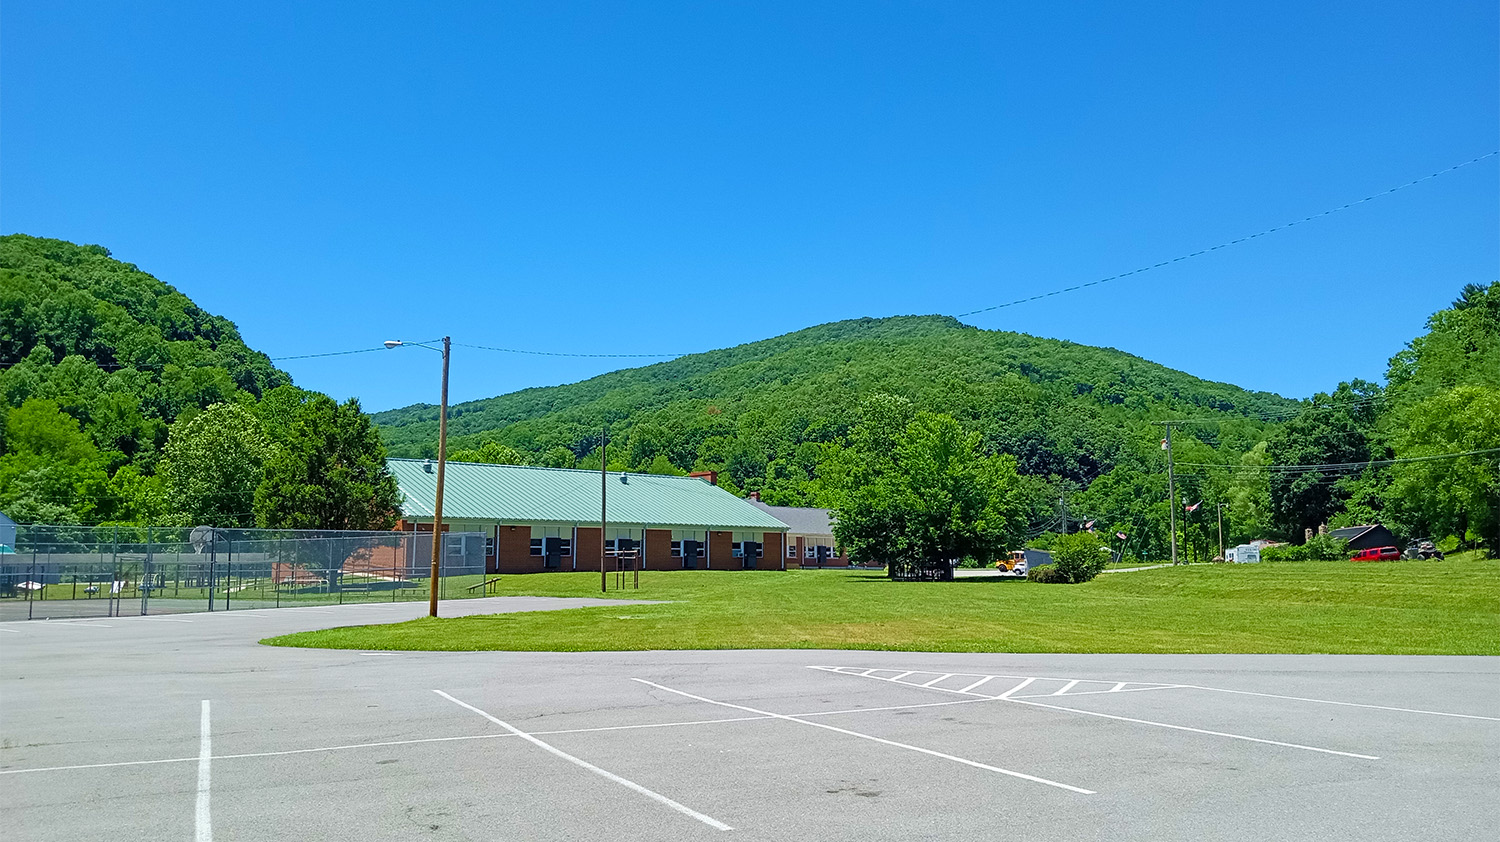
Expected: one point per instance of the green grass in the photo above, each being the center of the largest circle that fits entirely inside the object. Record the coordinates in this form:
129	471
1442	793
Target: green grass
1450	608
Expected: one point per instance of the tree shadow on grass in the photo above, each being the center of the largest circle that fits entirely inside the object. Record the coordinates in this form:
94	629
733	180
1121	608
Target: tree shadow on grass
957	581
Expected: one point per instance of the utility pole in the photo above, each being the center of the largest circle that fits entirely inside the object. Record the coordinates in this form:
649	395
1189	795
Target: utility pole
1062	501
1171	491
437	508
603	507
1221	530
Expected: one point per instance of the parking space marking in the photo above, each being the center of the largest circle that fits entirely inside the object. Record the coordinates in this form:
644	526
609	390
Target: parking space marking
1065	688
1344	704
12	631
203	823
584	764
1006	694
1195	730
466	737
1006	698
977	683
974	763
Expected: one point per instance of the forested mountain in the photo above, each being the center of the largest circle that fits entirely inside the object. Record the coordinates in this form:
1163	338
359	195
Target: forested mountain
764	413
106	372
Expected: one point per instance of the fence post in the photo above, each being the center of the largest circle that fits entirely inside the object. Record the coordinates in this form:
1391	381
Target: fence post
29	580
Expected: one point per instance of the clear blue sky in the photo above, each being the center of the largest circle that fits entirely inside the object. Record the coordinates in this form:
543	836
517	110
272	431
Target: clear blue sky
642	177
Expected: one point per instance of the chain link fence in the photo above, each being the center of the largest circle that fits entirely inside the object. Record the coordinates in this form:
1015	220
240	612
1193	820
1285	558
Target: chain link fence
58	572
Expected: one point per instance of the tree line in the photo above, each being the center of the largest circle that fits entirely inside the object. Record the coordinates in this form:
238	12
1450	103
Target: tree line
125	403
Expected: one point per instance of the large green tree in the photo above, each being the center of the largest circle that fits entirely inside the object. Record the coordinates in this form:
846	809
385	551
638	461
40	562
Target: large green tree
328	472
213	464
920	496
1450	496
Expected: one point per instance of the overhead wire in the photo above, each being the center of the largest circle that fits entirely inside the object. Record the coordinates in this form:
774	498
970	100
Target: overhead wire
1237	240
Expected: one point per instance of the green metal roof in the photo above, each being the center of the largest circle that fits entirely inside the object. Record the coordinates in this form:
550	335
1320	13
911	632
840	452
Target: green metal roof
520	495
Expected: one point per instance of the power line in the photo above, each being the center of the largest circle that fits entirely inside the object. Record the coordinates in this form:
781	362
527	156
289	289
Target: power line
564	353
1336	466
1237	241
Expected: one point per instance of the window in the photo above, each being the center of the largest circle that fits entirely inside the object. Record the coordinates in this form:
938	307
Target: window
622	539
698	541
810	551
552	541
791	547
489	547
751	541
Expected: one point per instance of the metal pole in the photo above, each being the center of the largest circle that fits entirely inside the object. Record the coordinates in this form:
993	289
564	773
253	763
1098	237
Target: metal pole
603	507
1171	493
1062	501
437	512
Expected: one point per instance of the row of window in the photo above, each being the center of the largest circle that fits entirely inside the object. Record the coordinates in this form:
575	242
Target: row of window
549	541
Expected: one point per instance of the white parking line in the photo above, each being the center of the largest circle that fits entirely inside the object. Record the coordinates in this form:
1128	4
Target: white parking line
976	684
936	680
1097	692
1004	698
1196	730
1066	687
12	631
1344	704
468	737
203	823
976	764
1006	694
631	785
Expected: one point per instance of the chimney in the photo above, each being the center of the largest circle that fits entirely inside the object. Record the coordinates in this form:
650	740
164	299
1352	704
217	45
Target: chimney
710	477
755	495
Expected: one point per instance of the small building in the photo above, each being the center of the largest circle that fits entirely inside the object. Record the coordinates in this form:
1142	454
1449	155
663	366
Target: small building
1365	537
540	519
809	539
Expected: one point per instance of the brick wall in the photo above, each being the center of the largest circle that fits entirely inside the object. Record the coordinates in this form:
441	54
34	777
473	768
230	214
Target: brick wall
721	551
513	551
659	551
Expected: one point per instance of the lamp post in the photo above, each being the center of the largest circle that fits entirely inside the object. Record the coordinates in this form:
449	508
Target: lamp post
437	508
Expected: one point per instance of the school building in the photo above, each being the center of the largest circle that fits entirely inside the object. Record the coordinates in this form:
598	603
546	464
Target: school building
809	538
542	519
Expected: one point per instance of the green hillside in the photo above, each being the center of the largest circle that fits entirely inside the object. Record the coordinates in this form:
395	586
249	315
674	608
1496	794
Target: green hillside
123	402
760	412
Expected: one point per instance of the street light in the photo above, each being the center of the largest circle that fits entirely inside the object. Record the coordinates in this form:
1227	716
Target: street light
437	509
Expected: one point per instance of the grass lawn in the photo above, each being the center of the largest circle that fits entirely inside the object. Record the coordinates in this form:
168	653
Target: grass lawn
1411	607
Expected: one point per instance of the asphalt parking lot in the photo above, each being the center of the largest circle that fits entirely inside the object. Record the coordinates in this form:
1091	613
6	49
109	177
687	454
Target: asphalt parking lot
184	727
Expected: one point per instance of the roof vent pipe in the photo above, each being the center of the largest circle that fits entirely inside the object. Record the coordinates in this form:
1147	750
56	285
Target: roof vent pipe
427	466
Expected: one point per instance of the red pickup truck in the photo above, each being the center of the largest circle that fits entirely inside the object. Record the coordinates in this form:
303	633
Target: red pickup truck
1377	554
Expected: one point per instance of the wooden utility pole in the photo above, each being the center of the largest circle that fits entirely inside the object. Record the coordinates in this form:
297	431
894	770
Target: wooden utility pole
1221	530
1171	491
603	507
437	508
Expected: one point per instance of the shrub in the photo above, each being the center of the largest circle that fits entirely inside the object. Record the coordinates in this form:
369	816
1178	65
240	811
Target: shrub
1319	548
1079	557
1047	575
1327	548
1285	552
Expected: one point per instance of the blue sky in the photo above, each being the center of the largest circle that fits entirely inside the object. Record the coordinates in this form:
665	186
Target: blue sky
645	177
